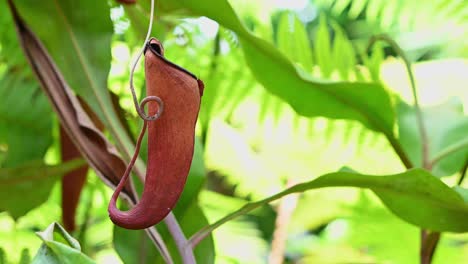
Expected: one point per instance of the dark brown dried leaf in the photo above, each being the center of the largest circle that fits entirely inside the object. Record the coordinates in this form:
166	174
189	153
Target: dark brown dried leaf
99	153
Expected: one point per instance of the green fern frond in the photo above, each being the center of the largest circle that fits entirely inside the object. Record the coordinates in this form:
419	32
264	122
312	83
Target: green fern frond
419	26
230	37
293	41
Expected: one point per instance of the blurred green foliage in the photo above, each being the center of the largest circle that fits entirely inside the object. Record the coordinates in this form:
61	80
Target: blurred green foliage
252	141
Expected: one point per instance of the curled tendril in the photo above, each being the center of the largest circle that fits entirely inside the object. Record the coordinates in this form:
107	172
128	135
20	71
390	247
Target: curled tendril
140	106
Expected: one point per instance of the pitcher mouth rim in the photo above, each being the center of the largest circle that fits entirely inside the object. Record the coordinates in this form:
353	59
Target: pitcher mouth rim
152	45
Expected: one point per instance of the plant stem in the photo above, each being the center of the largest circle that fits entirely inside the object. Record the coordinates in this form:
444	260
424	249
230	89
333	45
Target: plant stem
429	239
159	243
152	233
429	242
284	212
399	151
449	150
419	116
463	172
184	248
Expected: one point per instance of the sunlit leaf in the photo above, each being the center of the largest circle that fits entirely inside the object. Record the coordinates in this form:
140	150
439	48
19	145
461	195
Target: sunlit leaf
368	103
439	208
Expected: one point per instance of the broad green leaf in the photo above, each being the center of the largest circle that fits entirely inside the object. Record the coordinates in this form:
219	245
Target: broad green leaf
293	40
59	247
446	126
78	37
415	196
368	103
34	179
25	114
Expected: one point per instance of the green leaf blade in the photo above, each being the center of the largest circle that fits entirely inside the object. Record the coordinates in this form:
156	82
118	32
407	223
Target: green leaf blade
368	103
415	196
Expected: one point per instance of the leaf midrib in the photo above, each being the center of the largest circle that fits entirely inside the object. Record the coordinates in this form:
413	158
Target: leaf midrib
90	80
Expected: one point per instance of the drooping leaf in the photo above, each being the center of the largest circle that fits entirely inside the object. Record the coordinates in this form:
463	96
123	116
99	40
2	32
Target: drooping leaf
27	186
415	196
368	103
59	247
95	148
99	153
79	43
